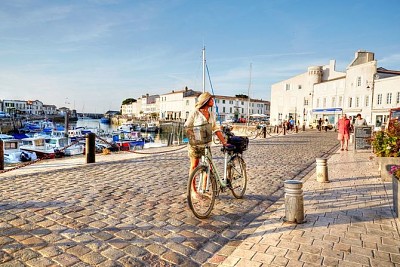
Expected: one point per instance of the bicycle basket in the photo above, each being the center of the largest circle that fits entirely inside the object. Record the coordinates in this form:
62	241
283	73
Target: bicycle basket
240	142
199	135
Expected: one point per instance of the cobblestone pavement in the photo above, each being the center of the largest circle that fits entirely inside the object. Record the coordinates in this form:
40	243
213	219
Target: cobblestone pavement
348	222
133	212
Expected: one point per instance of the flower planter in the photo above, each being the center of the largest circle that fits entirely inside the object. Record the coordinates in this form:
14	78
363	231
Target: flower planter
385	164
396	195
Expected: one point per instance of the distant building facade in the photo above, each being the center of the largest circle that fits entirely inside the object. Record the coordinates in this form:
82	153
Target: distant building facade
50	110
33	107
323	92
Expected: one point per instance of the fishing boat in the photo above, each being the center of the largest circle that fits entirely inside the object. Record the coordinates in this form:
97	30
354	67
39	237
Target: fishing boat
129	126
129	140
13	154
39	146
63	144
149	127
105	120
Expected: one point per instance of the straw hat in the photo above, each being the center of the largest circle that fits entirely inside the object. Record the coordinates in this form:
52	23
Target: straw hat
203	99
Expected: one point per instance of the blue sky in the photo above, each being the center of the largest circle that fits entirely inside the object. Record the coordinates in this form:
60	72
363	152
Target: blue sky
93	54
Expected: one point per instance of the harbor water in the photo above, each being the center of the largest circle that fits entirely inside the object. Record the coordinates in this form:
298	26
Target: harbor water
158	137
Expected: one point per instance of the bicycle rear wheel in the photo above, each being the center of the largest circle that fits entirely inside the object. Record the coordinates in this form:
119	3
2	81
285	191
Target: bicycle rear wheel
237	176
201	192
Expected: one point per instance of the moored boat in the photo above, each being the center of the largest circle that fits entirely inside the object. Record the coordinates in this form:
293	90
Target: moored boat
13	154
39	146
149	127
64	144
105	120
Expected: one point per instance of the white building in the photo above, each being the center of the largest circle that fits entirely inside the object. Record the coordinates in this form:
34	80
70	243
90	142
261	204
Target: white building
50	110
176	105
132	109
33	107
149	106
240	107
323	92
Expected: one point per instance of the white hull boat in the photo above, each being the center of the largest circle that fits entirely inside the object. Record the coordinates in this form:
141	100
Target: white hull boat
12	153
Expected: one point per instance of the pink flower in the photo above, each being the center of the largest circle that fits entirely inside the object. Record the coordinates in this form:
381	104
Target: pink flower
395	170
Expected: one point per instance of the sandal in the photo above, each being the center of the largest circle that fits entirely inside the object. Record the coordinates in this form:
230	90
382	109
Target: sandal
341	149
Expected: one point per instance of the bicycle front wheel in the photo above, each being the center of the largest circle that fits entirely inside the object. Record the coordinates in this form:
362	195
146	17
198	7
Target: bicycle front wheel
237	176
201	192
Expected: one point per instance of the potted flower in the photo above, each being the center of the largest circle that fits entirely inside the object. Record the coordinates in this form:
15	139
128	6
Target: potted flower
386	146
395	172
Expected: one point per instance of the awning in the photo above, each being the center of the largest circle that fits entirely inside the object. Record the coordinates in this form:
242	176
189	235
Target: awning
327	110
258	115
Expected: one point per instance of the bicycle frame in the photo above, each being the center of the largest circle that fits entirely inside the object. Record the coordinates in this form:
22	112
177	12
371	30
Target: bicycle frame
206	160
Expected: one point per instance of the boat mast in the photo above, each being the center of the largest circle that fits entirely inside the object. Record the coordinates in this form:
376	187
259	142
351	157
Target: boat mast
248	98
204	69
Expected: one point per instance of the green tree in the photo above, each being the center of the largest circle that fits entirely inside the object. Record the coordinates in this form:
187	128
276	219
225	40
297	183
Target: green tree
242	96
128	101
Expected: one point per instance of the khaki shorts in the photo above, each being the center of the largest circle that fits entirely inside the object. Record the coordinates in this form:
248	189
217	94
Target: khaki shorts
343	137
196	151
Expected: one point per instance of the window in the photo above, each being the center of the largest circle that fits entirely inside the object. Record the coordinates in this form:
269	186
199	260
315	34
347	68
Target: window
379	100
358	81
287	87
350	102
324	102
242	103
230	110
389	98
216	101
299	86
398	98
223	109
223	101
317	102
333	103
305	102
367	100
357	102
230	102
340	100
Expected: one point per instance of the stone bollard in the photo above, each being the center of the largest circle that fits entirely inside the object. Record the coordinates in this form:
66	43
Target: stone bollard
1	155
294	207
90	148
351	140
322	170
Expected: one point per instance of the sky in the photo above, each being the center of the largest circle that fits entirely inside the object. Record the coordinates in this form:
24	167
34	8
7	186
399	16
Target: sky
90	55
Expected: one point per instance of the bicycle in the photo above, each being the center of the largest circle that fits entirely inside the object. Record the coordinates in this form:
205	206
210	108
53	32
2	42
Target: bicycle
205	183
258	131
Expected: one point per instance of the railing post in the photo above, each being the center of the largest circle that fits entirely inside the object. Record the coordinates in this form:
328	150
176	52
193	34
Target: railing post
91	148
322	170
265	131
1	155
294	203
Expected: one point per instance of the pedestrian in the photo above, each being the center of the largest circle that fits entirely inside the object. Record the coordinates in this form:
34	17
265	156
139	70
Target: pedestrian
326	125
359	121
291	123
319	124
344	132
200	117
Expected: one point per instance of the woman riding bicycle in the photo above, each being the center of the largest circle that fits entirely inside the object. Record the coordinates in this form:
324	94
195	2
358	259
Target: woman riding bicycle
200	116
